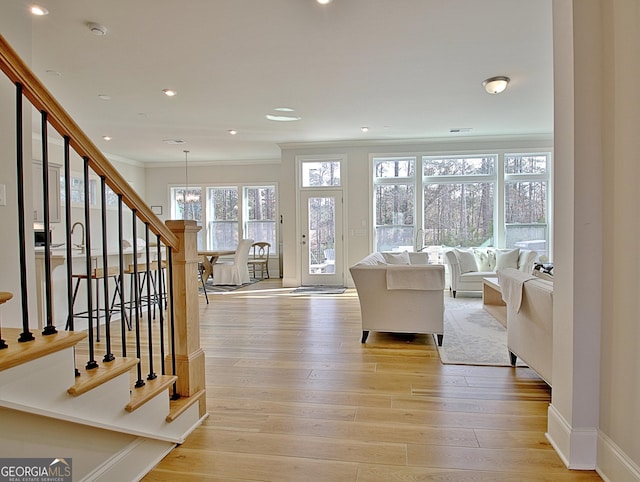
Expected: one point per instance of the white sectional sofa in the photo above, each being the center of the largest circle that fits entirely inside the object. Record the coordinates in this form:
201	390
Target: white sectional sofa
400	293
529	302
468	266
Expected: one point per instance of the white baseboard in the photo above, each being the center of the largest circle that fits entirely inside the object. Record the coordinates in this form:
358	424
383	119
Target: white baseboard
576	447
613	463
131	463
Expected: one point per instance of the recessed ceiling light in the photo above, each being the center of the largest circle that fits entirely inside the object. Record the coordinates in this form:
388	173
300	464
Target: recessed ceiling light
364	129
38	10
169	92
284	109
54	72
456	130
106	138
233	132
104	97
97	29
324	2
174	142
283	118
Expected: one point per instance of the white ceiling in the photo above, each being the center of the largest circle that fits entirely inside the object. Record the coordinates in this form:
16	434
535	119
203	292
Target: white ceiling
407	69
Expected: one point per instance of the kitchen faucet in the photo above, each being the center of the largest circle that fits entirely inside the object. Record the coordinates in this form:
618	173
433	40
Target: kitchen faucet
81	245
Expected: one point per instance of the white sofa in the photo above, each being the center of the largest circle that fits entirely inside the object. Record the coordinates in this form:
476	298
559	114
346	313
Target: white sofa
400	293
529	302
468	266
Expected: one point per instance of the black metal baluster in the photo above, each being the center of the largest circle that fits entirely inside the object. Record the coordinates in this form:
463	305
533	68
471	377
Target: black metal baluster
108	356
123	309
26	335
136	284
67	214
151	375
49	329
161	290
91	363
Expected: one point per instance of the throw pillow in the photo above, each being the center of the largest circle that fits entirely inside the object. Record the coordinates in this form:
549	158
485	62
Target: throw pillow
466	261
482	259
507	258
398	258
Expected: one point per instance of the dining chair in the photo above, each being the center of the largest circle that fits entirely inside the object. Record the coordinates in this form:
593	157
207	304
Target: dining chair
260	257
235	272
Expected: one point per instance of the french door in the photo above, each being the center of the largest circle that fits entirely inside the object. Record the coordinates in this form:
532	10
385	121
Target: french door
321	238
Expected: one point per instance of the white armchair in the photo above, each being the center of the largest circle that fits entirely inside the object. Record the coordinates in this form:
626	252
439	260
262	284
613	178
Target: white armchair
237	271
399	298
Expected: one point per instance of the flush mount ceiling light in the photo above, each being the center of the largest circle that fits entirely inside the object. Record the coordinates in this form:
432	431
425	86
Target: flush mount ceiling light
97	29
38	10
283	118
495	85
169	92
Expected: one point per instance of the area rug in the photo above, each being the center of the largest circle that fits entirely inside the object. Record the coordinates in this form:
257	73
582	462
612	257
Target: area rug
320	290
212	289
471	335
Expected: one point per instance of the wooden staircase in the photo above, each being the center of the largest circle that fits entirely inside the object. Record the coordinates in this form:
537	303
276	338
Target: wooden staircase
94	419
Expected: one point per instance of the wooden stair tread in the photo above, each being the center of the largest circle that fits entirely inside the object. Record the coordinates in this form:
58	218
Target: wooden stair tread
106	371
179	406
151	388
18	353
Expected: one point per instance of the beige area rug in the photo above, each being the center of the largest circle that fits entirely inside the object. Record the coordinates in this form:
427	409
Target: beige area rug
471	335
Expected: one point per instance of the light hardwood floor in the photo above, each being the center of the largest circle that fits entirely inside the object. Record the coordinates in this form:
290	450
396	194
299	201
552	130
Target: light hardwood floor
293	395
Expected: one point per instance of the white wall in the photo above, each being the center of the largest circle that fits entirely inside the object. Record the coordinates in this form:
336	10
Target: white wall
619	416
15	26
594	416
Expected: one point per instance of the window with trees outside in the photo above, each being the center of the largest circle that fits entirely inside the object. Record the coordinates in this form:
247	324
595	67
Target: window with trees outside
499	200
225	211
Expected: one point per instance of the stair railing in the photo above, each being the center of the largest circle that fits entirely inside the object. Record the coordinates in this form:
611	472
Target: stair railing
155	273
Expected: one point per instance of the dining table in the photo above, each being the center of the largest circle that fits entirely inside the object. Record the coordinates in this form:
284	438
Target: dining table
210	257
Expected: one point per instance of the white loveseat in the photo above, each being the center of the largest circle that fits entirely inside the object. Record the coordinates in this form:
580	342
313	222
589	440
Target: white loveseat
400	293
529	302
468	266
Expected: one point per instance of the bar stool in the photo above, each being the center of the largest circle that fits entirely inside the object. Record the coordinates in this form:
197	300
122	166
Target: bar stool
158	294
97	274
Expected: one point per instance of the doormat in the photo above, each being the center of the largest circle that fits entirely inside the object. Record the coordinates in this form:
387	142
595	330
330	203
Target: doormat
320	290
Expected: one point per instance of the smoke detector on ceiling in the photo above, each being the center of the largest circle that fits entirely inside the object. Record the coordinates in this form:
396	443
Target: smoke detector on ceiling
97	29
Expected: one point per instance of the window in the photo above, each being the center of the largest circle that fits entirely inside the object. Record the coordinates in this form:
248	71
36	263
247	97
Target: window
394	202
222	217
228	213
497	200
459	200
260	216
320	173
526	201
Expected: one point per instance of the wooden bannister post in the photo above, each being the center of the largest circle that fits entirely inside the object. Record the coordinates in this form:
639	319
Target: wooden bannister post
189	354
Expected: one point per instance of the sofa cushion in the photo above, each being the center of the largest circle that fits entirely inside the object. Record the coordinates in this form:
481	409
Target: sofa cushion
397	258
466	260
485	259
507	258
372	259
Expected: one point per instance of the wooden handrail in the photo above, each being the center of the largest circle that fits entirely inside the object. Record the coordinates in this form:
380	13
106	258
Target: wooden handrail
18	72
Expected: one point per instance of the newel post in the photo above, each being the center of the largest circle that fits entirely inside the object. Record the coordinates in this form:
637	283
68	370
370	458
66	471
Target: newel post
189	355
